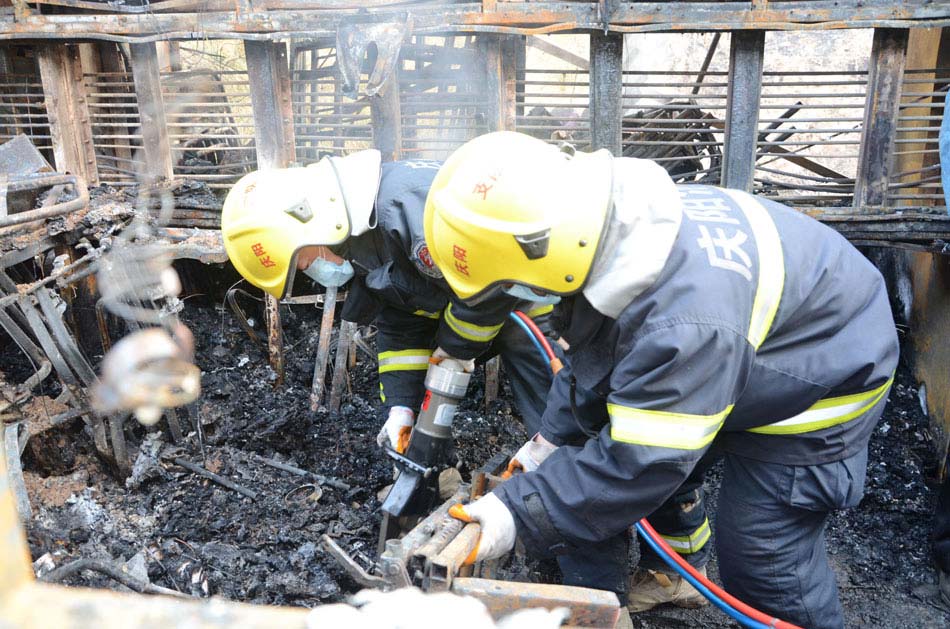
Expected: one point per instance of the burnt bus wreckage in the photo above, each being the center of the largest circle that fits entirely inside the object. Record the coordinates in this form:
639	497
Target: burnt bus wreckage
122	124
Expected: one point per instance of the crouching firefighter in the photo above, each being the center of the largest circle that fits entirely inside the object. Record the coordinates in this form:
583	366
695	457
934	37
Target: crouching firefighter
703	323
353	219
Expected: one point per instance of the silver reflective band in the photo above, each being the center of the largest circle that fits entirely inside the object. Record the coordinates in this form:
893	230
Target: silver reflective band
771	279
471	331
827	413
663	429
404	360
690	543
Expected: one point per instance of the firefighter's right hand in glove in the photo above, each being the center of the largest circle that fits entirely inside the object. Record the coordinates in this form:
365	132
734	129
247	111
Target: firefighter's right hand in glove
531	455
397	428
439	355
498	527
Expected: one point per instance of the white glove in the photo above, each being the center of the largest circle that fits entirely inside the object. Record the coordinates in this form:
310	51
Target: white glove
498	527
531	455
468	366
396	429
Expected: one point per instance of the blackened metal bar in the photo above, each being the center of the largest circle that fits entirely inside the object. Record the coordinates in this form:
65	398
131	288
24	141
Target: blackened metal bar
344	341
710	53
490	52
387	119
269	76
275	338
148	92
606	90
742	108
888	57
67	110
323	349
500	60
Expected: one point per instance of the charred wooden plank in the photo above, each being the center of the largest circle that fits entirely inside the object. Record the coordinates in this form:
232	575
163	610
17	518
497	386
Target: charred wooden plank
888	56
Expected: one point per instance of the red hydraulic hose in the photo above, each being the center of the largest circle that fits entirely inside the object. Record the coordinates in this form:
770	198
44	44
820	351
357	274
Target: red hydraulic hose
556	364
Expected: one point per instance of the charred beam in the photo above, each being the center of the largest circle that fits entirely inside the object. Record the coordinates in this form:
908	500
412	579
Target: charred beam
67	110
148	93
499	57
742	109
269	77
283	19
888	56
606	91
386	115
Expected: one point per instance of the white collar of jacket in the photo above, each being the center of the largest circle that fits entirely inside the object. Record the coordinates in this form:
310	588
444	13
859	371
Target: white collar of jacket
643	226
358	174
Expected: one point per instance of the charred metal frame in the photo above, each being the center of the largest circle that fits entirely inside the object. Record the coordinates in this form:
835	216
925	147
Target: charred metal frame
128	104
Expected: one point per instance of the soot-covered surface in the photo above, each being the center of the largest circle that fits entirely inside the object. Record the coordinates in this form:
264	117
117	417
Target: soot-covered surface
198	537
201	538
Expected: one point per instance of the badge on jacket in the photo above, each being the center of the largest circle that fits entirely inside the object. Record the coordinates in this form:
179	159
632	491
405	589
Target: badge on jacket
423	261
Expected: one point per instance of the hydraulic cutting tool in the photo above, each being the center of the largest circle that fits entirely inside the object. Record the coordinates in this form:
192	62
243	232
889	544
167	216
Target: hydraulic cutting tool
416	489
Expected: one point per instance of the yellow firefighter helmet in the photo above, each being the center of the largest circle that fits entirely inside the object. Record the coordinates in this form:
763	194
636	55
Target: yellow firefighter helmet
269	215
506	208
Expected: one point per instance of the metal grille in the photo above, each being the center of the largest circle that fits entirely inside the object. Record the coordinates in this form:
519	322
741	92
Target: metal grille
554	94
117	138
810	136
915	179
208	114
325	121
23	111
676	119
441	95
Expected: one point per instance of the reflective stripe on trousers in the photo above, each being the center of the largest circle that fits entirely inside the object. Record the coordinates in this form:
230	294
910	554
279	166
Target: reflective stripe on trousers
404	360
827	412
692	543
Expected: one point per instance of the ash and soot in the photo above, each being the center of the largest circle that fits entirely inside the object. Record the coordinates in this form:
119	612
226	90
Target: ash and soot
186	533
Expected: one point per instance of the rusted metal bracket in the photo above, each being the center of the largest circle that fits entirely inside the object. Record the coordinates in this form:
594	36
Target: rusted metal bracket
587	607
11	447
381	41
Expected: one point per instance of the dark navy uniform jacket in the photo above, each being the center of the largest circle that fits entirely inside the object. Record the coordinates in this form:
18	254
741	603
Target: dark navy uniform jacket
766	333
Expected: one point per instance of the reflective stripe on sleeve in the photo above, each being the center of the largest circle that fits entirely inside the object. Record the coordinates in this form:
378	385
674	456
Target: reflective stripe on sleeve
664	429
827	413
427	314
470	331
688	544
540	310
404	360
771	282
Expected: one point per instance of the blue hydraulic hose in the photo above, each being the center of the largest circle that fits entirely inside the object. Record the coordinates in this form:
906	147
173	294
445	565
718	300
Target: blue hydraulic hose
527	330
735	614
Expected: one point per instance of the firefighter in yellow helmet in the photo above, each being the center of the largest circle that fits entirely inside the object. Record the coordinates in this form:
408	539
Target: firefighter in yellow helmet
353	219
703	323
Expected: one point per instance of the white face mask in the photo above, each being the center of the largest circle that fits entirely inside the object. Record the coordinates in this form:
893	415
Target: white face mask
328	274
523	292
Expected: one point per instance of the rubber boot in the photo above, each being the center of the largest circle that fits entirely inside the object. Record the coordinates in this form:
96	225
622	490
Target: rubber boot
649	588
